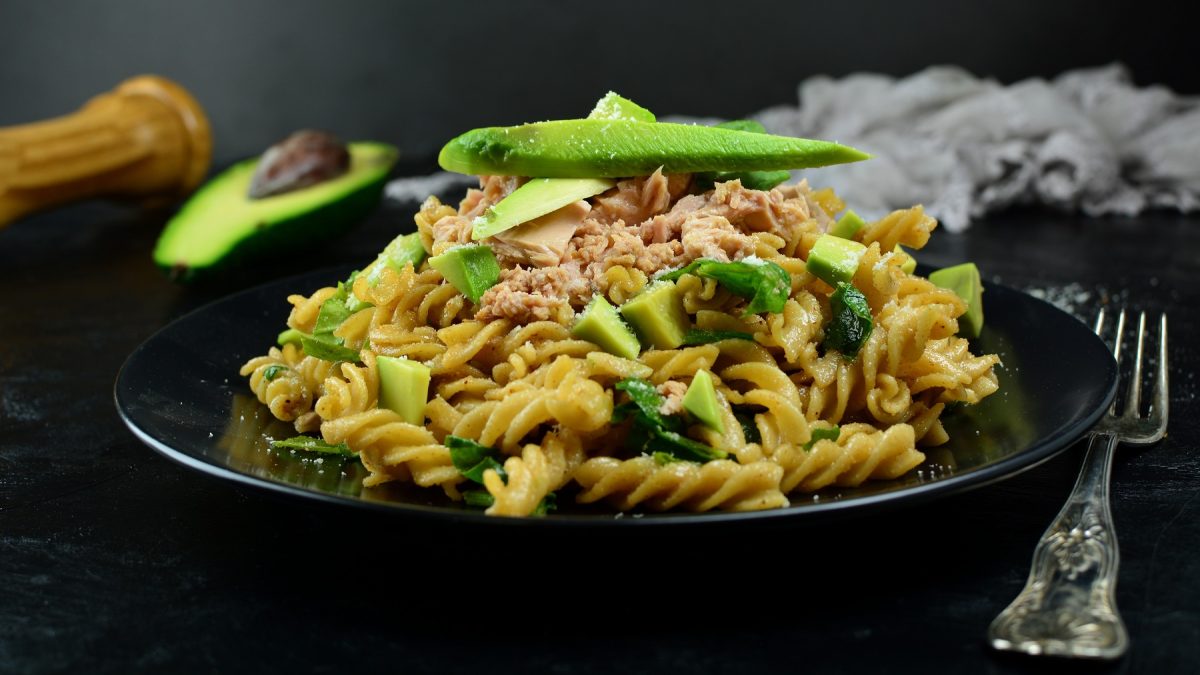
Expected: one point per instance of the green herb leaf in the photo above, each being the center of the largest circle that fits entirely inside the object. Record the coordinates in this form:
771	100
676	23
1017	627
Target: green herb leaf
665	458
333	312
549	503
699	336
311	444
481	499
749	428
327	348
765	283
289	336
681	446
851	324
272	371
648	400
472	459
823	434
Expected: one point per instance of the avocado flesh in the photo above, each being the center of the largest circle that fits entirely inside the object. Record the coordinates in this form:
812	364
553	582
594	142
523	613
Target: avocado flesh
600	324
616	107
701	401
471	268
534	199
403	387
847	226
834	260
220	226
657	316
593	148
965	282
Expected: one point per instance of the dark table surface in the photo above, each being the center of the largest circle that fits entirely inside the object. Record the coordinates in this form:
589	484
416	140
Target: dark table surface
114	559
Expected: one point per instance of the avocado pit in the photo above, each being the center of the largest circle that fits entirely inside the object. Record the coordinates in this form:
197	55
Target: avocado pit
303	159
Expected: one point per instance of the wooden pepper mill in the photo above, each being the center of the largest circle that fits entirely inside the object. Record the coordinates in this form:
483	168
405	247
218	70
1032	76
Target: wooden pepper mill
148	139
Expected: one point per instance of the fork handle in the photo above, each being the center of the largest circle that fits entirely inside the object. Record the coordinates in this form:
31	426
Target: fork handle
1068	606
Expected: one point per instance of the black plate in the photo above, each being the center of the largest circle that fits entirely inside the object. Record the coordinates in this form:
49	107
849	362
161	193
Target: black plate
180	393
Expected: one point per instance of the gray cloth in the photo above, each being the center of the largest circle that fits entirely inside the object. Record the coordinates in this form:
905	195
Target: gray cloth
963	146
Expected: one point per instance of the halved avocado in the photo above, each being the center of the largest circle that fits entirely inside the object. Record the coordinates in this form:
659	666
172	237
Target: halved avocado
220	225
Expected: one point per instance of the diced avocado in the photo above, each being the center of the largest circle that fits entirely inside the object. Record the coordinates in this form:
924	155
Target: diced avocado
600	323
753	180
964	280
701	401
851	323
657	316
616	107
616	148
407	248
472	269
848	225
834	260
403	387
908	263
220	226
534	199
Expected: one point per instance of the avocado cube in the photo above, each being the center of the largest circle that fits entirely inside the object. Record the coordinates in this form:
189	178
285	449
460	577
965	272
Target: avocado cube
965	282
908	264
834	260
657	316
847	226
403	387
701	401
600	323
471	268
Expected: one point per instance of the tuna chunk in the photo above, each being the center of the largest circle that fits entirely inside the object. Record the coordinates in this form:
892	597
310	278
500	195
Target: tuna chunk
542	241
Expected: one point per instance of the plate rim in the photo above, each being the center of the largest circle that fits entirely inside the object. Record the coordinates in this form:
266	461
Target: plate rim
1013	465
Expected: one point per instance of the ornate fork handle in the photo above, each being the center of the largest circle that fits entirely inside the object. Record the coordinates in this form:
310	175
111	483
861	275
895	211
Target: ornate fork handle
1068	606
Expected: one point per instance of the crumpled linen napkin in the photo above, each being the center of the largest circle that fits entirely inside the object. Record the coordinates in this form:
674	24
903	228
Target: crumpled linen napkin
1089	140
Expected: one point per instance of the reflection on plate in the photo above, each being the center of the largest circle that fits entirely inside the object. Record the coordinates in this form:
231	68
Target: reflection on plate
180	393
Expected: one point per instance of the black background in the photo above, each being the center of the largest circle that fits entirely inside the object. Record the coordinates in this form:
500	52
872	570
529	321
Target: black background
415	74
113	559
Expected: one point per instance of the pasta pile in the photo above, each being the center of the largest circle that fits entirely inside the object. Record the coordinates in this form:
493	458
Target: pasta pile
544	400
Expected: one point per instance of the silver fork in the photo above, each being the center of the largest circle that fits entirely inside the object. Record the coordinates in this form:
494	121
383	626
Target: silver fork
1068	606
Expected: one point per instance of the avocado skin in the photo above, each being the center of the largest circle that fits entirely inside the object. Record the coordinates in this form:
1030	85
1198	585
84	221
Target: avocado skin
279	236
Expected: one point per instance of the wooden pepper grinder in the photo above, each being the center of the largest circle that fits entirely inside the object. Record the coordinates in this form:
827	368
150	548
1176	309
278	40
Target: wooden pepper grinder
148	139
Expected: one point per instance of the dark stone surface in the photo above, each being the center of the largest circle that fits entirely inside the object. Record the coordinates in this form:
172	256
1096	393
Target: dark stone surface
113	559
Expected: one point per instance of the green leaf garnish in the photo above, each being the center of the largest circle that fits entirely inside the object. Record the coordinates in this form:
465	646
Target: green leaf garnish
289	336
648	401
765	283
851	323
272	371
681	446
549	503
665	458
327	348
700	336
472	459
749	428
311	444
823	434
480	499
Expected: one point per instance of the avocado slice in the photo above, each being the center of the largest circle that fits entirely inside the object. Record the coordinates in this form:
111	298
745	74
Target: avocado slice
964	280
404	249
403	387
613	106
848	225
615	148
471	268
599	323
535	199
657	315
753	180
835	260
544	195
220	226
701	401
